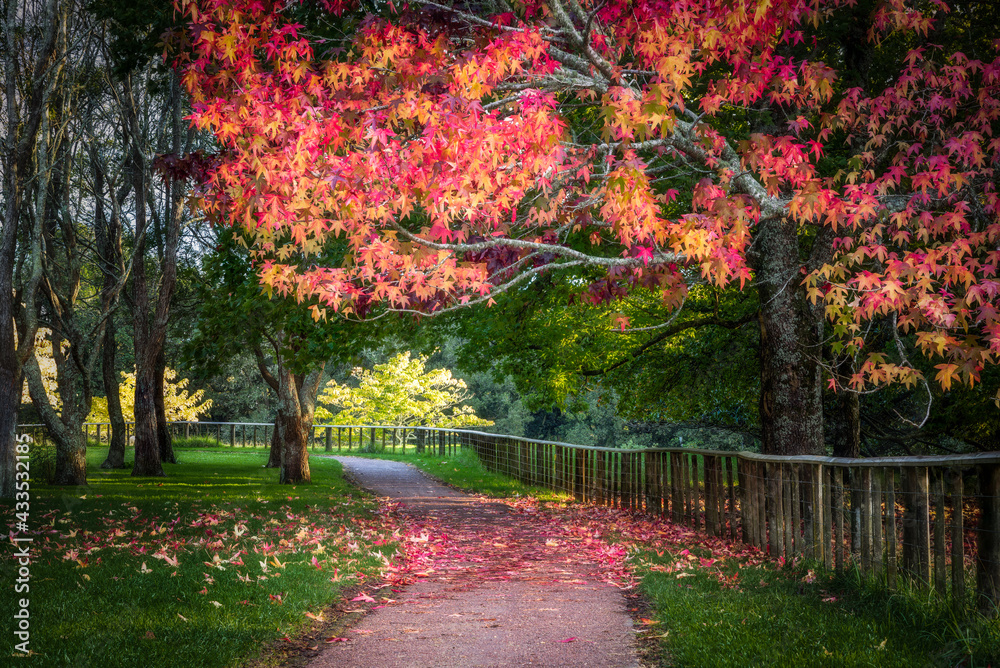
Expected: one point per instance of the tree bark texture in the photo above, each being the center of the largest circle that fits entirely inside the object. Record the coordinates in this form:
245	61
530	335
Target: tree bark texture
163	438
150	318
109	374
274	456
147	451
791	397
19	143
297	405
108	235
845	424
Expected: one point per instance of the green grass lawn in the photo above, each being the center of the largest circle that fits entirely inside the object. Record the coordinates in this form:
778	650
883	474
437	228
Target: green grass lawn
168	571
765	615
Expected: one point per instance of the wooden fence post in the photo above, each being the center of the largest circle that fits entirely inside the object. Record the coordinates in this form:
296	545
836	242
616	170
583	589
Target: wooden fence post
957	537
988	540
940	577
838	517
865	511
891	539
695	493
916	524
676	487
877	516
773	494
731	475
786	508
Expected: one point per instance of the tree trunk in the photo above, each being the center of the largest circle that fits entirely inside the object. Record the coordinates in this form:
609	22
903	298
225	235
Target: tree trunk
108	232
297	404
150	319
109	374
791	397
845	423
163	438
22	128
274	457
293	422
294	453
65	428
71	459
147	449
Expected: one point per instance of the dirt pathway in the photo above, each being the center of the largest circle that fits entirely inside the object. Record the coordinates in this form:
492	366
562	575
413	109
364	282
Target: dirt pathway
498	594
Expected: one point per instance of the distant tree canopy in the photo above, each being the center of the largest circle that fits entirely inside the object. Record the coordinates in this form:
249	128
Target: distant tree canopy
400	392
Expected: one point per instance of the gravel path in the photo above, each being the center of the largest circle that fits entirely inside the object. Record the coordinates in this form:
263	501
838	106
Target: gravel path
513	603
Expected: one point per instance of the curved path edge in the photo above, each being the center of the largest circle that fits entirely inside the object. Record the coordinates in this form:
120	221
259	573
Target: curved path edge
498	593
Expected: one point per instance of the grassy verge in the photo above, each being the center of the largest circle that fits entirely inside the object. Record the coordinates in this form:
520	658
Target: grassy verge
201	568
734	614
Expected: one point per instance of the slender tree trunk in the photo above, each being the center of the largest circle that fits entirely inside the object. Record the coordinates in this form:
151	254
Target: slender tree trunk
63	271
147	451
65	428
150	317
274	457
163	437
109	374
845	423
108	234
791	397
147	447
19	145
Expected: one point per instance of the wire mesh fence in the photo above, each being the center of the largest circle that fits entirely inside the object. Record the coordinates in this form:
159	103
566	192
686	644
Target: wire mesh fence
933	521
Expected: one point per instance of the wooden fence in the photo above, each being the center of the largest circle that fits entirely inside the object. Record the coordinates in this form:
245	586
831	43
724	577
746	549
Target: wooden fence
932	520
328	438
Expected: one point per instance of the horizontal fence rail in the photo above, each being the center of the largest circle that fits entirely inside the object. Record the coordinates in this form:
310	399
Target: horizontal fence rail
933	521
330	438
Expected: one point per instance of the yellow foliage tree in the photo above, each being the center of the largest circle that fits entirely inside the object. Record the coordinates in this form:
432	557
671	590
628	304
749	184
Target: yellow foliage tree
400	392
179	404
